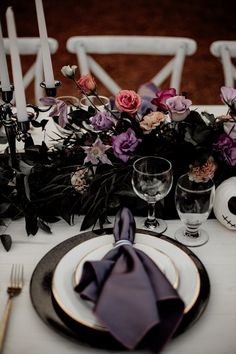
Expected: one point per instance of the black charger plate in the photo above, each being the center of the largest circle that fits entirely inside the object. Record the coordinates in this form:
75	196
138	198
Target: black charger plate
49	311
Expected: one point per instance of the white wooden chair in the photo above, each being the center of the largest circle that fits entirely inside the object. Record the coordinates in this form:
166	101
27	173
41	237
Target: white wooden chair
176	47
226	51
31	46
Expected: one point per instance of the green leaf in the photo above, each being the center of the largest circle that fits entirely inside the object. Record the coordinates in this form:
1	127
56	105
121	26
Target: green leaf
6	241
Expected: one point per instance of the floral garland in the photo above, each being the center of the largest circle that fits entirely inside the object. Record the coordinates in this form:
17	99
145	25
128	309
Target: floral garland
88	171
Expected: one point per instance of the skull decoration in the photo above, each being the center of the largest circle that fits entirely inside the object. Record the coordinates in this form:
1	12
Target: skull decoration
225	203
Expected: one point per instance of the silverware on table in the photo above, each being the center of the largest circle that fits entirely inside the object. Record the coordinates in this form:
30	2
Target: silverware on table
14	288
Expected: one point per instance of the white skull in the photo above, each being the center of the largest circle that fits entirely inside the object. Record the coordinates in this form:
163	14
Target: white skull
225	203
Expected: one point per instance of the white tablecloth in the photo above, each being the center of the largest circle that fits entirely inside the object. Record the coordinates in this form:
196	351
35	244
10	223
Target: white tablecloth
214	332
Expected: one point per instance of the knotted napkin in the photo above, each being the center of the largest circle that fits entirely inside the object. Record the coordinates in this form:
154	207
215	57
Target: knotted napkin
132	296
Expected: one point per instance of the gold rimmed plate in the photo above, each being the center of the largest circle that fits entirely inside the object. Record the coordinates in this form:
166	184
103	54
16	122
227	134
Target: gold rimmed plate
54	316
72	264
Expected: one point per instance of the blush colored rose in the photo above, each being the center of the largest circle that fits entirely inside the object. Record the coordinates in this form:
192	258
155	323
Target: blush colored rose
128	101
125	144
178	107
87	84
101	121
162	96
151	121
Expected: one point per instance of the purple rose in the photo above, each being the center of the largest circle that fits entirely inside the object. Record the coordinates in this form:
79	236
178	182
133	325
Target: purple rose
228	96
162	96
125	144
226	148
178	107
101	121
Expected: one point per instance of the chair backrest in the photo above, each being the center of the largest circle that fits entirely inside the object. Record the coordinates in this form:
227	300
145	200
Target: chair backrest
31	46
176	47
225	51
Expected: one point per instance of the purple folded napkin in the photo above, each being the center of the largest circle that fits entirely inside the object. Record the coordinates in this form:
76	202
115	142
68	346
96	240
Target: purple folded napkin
132	296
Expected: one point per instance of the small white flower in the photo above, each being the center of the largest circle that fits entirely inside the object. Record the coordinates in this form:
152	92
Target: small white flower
69	71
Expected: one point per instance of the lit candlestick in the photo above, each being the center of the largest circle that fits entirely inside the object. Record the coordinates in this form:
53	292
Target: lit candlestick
22	115
4	76
47	62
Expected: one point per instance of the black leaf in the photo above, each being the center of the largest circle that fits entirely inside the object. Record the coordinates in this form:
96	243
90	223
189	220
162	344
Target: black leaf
93	215
43	226
4	207
6	241
31	225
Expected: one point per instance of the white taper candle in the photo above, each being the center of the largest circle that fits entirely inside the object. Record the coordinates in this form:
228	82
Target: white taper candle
47	62
22	115
4	76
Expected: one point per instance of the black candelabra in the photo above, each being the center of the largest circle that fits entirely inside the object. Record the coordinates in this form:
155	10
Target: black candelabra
19	130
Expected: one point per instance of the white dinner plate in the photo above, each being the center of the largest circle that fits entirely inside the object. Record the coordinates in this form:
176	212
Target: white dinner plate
185	275
164	262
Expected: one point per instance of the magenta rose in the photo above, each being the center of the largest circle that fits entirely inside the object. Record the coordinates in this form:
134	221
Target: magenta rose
162	96
125	144
178	107
226	148
101	121
128	101
86	84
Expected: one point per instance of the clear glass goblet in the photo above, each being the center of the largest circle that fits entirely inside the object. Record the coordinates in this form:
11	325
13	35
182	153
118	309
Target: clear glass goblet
152	180
194	201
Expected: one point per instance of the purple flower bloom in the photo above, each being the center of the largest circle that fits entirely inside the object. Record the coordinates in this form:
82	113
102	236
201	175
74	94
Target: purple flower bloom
96	153
178	107
124	144
226	148
228	95
101	121
60	109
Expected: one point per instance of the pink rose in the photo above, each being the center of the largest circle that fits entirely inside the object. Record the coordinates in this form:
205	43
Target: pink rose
162	96
87	84
178	107
128	101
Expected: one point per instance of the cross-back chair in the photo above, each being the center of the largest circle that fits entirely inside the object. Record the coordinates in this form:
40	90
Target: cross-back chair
225	51
176	47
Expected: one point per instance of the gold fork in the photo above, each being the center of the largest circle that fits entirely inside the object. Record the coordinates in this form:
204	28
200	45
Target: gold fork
14	288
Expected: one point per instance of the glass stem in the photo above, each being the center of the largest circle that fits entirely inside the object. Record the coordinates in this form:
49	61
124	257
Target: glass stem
192	232
151	211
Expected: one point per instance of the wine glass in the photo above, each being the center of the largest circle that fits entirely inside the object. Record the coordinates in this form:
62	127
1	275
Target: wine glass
194	201
152	180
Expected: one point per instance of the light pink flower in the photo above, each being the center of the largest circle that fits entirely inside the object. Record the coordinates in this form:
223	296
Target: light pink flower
96	153
228	96
151	121
87	84
178	107
128	101
59	110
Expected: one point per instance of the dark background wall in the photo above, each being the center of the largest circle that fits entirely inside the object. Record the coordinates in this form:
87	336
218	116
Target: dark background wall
203	20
